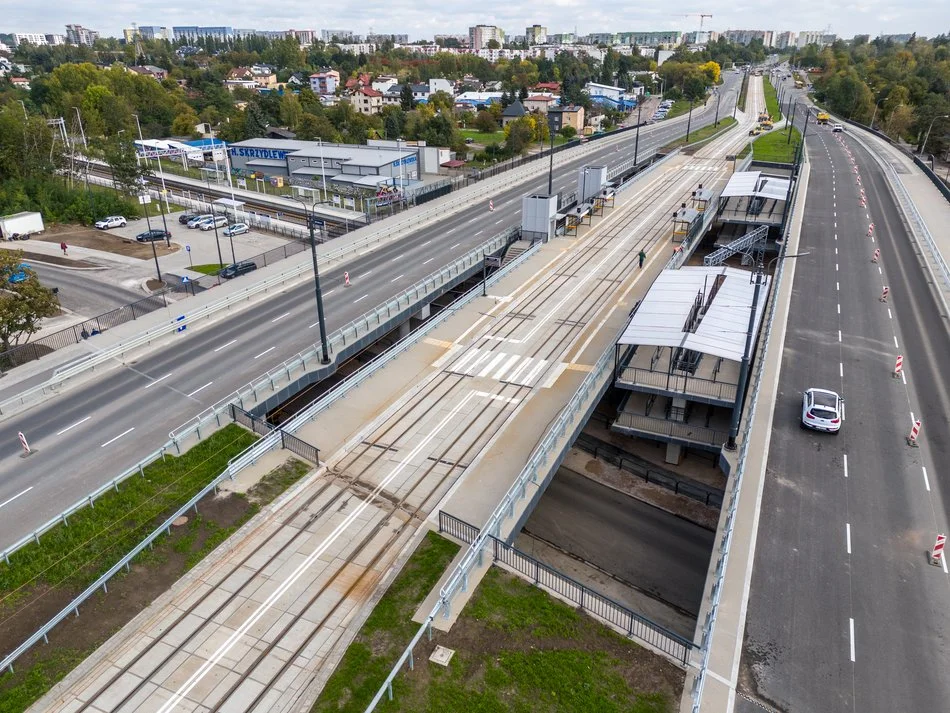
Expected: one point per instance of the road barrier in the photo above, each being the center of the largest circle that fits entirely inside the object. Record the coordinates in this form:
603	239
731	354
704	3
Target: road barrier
884	293
898	366
876	255
914	432
936	554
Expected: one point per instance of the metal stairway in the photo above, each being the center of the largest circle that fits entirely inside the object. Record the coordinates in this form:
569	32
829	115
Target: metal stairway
751	243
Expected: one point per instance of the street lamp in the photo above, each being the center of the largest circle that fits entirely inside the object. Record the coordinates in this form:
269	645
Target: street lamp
636	143
718	100
923	146
325	351
874	113
689	120
551	161
744	368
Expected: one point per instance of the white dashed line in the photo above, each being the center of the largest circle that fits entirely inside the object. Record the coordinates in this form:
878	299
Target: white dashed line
280	317
367	273
879	270
427	242
841	369
224	346
846	465
851	627
428	261
200	388
69	428
113	440
360	298
847	535
839	335
839	308
904	378
152	383
455	246
889	315
396	278
896	345
926	479
836	267
266	351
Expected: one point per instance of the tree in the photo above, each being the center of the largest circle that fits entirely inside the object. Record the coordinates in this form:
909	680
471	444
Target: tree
128	173
485	122
694	88
255	121
520	134
310	127
493	44
406	102
523	93
184	124
568	132
22	304
290	110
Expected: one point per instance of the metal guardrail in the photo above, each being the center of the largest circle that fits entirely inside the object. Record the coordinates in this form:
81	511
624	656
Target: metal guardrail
674	430
677	383
725	540
636	625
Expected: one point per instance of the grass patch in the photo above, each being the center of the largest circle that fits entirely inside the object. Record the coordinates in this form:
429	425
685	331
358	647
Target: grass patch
703	133
679	108
771	100
482	137
744	91
211	268
517	649
387	631
74	639
775	146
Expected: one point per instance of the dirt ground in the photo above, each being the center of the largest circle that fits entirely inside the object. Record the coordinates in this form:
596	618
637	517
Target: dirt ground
80	236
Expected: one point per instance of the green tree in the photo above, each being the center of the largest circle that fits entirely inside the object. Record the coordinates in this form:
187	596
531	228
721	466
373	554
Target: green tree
485	122
184	124
290	110
22	304
406	102
493	44
694	87
128	174
255	121
568	132
311	127
520	134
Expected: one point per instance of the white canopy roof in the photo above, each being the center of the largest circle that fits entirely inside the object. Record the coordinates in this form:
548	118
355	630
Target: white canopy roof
661	317
753	183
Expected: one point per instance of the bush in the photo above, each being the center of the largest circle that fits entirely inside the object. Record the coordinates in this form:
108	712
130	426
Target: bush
568	132
59	203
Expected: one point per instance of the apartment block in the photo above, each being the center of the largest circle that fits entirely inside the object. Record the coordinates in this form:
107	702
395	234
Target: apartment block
480	35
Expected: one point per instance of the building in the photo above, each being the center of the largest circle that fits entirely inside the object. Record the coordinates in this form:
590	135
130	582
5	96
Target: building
383	83
79	35
809	37
20	83
512	112
561	116
480	35
536	35
193	32
784	40
897	39
37	39
304	37
609	95
395	39
154	32
562	38
367	100
150	70
440	84
476	100
338	36
540	103
461	40
603	38
829	39
53	40
746	37
325	82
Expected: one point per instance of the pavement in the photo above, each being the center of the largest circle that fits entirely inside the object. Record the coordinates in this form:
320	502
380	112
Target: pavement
265	619
842	577
103	421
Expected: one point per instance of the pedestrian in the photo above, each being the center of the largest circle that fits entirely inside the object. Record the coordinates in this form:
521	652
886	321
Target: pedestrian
642	256
62	246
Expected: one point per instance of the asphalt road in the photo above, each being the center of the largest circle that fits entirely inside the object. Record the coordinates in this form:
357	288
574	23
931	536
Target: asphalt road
845	613
659	553
83	291
90	434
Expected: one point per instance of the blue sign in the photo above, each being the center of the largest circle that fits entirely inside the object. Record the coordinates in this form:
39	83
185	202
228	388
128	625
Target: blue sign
406	161
259	153
183	327
187	248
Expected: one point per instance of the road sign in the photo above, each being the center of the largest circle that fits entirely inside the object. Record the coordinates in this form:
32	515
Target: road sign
492	261
145	198
185	280
187	248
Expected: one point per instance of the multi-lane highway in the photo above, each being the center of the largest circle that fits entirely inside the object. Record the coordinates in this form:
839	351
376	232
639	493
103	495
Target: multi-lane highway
92	432
845	613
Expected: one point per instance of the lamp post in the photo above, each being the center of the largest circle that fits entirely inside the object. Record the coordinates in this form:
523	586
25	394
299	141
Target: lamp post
719	99
689	120
735	110
923	146
325	351
144	199
791	124
551	157
874	113
756	277
636	143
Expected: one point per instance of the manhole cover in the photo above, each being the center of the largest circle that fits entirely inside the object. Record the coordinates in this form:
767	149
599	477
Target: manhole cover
179	521
442	655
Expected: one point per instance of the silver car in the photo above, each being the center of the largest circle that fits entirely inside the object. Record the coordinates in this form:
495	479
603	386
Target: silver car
822	410
198	219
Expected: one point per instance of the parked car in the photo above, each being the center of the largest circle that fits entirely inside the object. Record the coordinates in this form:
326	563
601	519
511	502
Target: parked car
237	229
822	410
185	217
112	221
238	268
217	222
151	235
837	128
194	222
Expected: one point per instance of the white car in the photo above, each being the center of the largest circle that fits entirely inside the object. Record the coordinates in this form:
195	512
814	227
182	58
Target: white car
198	219
212	223
836	128
822	410
112	221
236	229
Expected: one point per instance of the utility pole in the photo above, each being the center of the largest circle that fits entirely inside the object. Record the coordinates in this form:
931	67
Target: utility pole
719	99
636	144
309	215
689	121
791	124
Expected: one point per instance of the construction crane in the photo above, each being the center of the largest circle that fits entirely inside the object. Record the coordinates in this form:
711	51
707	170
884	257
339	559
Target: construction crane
702	17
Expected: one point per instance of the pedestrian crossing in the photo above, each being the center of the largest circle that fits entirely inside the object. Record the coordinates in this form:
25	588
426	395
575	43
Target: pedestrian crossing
500	366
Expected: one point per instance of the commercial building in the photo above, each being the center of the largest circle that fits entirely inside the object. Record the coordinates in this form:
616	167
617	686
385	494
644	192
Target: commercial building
79	35
193	32
536	35
480	35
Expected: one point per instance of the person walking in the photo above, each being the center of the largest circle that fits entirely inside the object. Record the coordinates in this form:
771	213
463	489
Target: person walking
642	256
62	246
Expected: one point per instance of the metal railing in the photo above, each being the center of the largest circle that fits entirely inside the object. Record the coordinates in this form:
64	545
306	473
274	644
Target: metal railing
674	430
721	553
635	625
678	383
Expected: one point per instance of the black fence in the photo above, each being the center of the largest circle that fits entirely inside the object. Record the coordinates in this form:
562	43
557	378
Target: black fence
300	447
251	422
678	484
87	329
288	441
587	599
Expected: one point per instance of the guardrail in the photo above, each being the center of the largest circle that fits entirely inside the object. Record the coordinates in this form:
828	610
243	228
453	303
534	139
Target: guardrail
678	383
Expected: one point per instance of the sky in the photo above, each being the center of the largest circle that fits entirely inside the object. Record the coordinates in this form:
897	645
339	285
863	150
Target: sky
421	19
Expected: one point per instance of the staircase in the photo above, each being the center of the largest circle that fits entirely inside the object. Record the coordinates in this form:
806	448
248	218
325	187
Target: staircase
753	241
514	250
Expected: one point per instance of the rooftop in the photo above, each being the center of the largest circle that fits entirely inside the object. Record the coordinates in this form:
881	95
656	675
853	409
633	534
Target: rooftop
754	183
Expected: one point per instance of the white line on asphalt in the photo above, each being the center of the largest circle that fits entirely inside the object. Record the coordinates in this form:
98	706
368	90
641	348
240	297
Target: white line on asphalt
112	440
367	273
426	243
834	204
360	298
926	480
868	216
266	351
837	285
851	627
839	335
904	378
201	388
329	292
912	419
456	245
872	238
499	221
846	465
896	345
479	232
836	236
428	261
10	500
836	267
313	325
889	315
836	250
879	270
841	369
279	317
839	308
943	562
847	530
223	346
449	232
836	224
396	278
152	383
69	428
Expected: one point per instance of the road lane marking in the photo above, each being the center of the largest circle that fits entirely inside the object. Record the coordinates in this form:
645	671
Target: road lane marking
280	317
904	378
266	351
396	278
224	346
839	335
69	428
367	273
836	250
313	325
329	292
841	369
360	298
152	383
851	628
499	221
428	261
847	527
113	440
479	232
838	286
839	308
426	243
912	419
846	466
10	500
200	388
926	480
879	270
836	267
836	224
889	315
896	345
456	245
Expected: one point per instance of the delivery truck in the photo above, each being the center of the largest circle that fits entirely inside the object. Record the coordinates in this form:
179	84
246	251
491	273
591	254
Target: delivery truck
20	225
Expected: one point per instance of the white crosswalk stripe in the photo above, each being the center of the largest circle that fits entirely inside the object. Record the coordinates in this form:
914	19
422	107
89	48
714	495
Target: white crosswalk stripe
512	368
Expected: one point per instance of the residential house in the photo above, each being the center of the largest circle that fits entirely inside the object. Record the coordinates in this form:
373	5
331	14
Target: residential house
265	77
439	84
20	83
540	103
150	70
553	87
383	83
275	132
393	95
232	84
420	92
358	82
240	73
512	112
561	116
5	66
298	80
325	82
367	100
